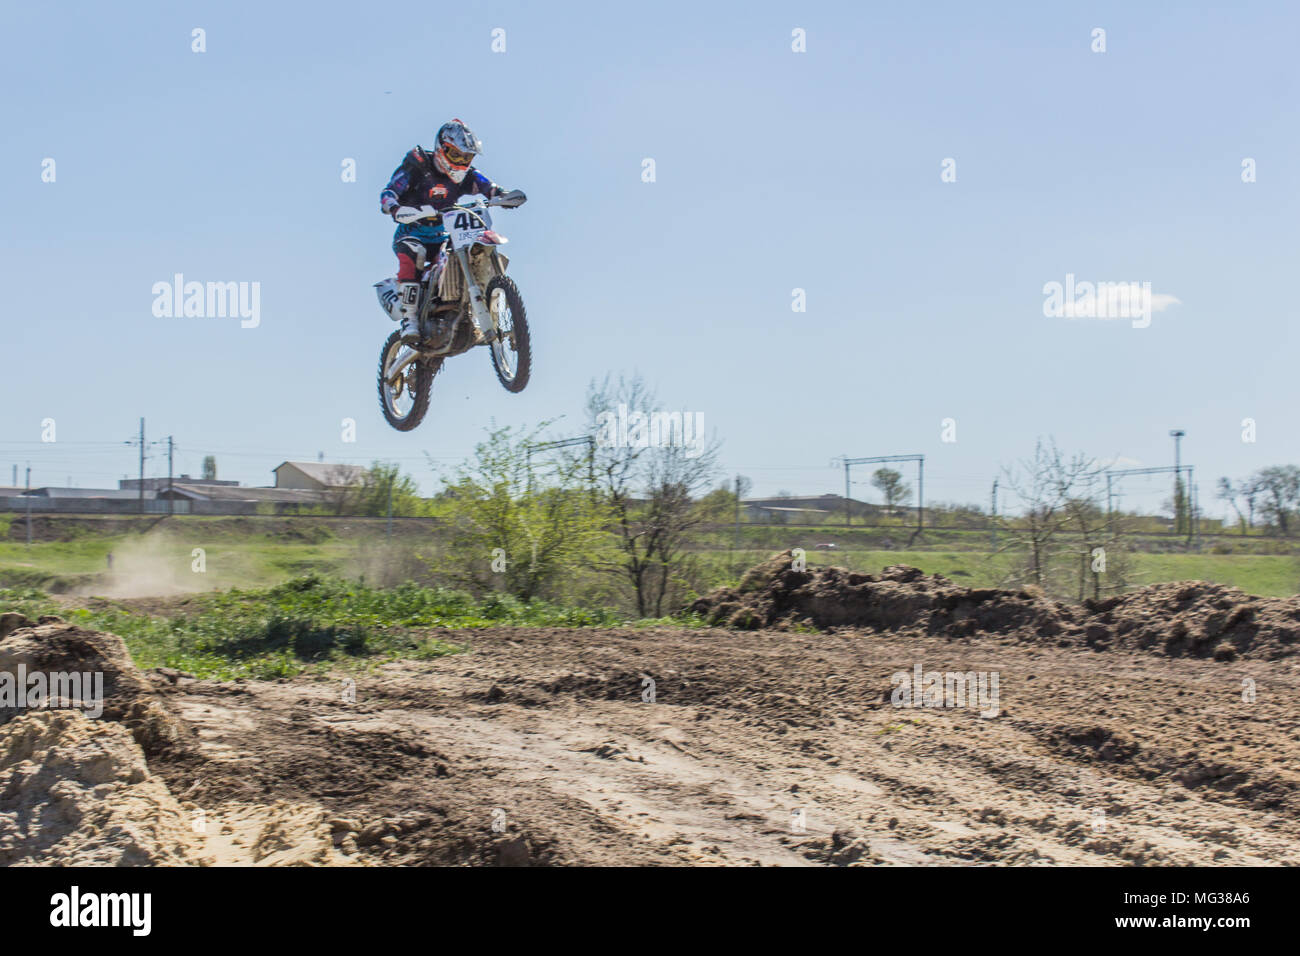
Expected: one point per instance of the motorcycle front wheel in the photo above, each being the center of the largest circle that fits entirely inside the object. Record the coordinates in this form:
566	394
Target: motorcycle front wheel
512	354
404	400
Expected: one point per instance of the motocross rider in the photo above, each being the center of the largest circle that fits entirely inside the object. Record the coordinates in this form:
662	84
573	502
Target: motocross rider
436	178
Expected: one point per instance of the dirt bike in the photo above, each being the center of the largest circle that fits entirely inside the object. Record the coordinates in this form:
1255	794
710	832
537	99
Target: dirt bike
466	299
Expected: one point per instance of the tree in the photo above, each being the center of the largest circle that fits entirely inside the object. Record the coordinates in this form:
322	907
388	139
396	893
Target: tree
1066	538
1032	483
517	521
382	485
209	467
367	493
953	514
1247	492
743	486
891	486
648	487
719	505
342	490
1099	552
1179	507
1279	487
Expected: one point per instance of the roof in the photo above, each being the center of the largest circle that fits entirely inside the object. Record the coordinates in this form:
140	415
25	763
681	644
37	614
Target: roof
227	493
795	501
156	484
821	511
114	493
327	473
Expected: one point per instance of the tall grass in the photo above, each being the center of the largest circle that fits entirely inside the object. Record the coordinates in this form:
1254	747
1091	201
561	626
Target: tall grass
309	622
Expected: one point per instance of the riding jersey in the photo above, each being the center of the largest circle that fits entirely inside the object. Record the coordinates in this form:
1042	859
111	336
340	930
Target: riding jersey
418	182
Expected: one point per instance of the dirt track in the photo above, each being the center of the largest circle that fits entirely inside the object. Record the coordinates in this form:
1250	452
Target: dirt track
1160	728
550	727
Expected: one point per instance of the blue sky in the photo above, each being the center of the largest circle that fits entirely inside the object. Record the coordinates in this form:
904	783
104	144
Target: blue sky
775	170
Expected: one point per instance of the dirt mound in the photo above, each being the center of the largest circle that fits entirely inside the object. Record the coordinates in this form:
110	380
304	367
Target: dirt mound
52	645
1189	619
1197	619
901	597
77	792
76	788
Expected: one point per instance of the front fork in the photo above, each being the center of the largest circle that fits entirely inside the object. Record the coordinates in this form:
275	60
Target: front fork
484	328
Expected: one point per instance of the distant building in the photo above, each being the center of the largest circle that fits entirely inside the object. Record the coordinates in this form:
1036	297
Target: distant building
806	509
158	484
230	492
299	486
112	494
779	514
317	475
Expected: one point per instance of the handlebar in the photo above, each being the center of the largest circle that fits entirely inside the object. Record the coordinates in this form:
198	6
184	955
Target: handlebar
509	200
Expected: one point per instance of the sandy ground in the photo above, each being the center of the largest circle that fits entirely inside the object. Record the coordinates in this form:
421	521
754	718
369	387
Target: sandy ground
760	747
78	792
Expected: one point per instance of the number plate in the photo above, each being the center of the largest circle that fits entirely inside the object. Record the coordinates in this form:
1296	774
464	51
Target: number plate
463	228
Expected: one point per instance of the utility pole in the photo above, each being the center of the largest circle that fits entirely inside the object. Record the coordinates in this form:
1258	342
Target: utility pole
171	449
1179	494
587	440
140	441
735	535
920	496
141	466
993	518
171	502
29	505
920	485
15	482
847	517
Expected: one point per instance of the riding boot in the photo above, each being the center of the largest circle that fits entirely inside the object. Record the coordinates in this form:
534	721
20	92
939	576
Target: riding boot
408	299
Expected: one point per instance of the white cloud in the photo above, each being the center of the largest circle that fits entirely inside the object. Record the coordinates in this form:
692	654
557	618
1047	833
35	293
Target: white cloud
1117	300
1076	299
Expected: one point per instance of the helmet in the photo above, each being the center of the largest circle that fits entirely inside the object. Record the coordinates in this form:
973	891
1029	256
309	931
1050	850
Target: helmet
455	150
